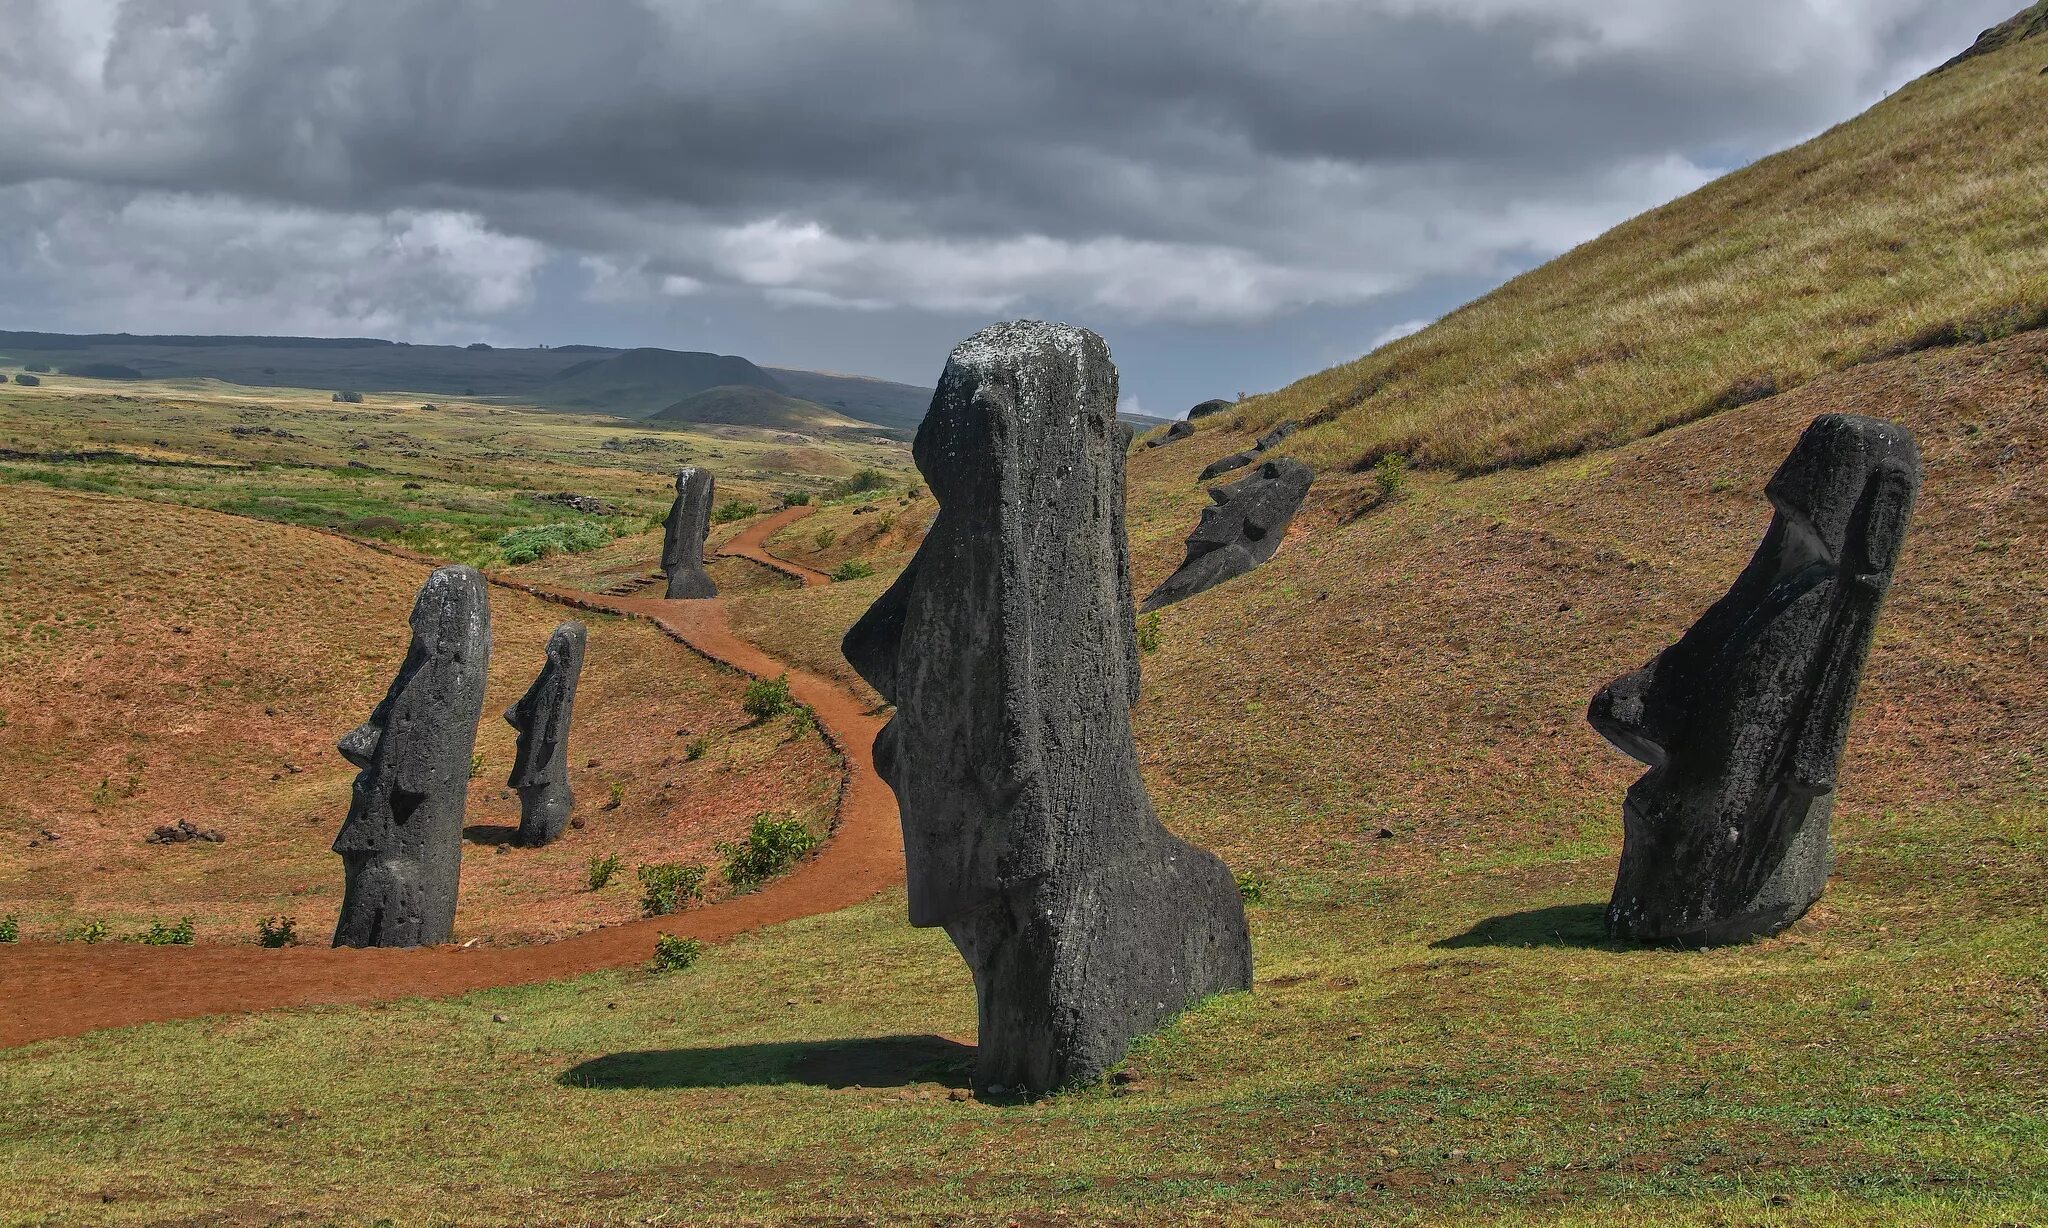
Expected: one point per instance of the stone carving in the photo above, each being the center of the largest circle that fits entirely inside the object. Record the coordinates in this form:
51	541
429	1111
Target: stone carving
1274	436
1009	650
402	843
1179	430
1210	407
1240	529
540	768
1743	720
1238	460
682	541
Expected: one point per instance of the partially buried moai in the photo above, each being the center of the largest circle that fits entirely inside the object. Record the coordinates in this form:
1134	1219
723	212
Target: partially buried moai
540	767
1009	651
682	540
1743	720
402	843
1240	529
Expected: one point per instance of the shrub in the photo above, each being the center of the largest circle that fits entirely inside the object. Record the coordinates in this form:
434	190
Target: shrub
1251	887
1148	632
26	380
884	522
87	932
695	750
825	537
10	929
476	764
853	569
349	398
861	483
161	935
525	545
767	698
772	846
673	953
597	875
802	723
796	498
276	932
731	510
669	886
1390	474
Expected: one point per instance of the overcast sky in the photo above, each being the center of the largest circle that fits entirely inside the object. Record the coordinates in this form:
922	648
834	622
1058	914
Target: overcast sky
1234	192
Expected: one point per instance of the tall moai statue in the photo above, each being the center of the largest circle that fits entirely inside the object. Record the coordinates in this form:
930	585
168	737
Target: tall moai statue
402	843
1742	722
540	767
682	542
1009	651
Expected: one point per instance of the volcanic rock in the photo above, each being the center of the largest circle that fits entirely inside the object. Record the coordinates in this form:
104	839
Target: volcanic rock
1210	407
1008	648
1743	720
1240	529
1179	430
682	542
1275	435
540	766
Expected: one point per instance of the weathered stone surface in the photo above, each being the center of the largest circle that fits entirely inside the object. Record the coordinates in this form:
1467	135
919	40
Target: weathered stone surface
682	541
402	843
1743	720
1179	430
1240	529
1210	407
1275	436
1228	464
1009	650
540	767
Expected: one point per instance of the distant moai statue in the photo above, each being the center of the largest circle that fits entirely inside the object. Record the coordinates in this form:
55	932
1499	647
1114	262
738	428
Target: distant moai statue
402	843
682	541
1009	650
540	768
1743	721
1241	528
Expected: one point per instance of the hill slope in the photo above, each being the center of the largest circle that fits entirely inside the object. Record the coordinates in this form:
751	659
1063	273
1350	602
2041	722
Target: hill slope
743	405
1916	224
641	382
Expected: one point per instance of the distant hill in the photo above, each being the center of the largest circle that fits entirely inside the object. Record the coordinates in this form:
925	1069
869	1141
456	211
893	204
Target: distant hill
641	382
879	401
748	405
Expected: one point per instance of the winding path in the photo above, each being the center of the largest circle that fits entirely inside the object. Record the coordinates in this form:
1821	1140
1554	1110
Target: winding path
64	989
753	544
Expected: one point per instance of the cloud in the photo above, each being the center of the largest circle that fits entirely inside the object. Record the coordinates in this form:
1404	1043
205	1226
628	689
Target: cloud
1407	328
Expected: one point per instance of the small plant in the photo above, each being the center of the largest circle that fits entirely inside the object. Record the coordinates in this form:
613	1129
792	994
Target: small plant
598	873
825	537
1390	475
767	698
669	886
616	795
103	792
10	929
1148	632
673	953
772	846
732	509
884	522
476	764
796	498
274	932
1251	887
802	723
160	934
853	569
695	750
88	932
534	542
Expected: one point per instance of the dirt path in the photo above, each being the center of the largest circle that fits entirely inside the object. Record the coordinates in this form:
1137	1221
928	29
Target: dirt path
751	544
63	989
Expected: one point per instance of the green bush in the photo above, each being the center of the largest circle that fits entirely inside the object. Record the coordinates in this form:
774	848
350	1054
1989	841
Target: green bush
796	498
476	764
825	537
597	874
861	483
1251	887
10	929
695	750
669	886
160	934
853	569
1148	633
772	846
1390	475
349	398
673	953
525	545
767	698
276	932
88	932
731	510
26	380
802	723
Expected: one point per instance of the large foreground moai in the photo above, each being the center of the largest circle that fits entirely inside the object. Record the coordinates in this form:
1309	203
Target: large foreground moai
540	767
1009	651
1743	720
402	843
682	542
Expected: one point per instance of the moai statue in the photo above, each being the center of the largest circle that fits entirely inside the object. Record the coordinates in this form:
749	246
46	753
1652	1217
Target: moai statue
1240	529
1009	651
682	542
540	768
402	843
1742	722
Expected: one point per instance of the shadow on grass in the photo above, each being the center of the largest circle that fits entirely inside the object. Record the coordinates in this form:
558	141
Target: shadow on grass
879	1061
1567	925
488	834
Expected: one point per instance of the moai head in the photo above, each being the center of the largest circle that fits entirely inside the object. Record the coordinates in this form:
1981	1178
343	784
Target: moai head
1743	721
1240	529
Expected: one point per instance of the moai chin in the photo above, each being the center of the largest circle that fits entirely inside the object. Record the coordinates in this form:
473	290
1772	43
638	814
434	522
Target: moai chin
401	845
1742	721
540	767
1009	651
682	541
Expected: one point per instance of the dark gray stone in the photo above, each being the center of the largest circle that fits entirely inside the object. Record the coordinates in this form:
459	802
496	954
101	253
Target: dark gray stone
1274	436
1210	407
1743	720
1008	648
540	767
682	541
1240	529
1228	464
402	844
1179	430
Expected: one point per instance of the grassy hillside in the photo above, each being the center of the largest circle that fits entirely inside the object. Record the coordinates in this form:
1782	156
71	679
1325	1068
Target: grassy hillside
897	406
1914	225
739	405
640	382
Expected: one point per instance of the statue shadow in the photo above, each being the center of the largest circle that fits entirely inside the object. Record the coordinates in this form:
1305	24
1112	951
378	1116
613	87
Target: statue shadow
1566	925
489	835
879	1061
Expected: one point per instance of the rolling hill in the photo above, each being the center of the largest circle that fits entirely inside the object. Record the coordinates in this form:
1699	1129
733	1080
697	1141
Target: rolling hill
747	405
641	382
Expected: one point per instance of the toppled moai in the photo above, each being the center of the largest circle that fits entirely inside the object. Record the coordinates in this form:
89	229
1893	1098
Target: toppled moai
1743	720
682	541
402	843
1238	460
1008	648
1240	529
540	767
1179	430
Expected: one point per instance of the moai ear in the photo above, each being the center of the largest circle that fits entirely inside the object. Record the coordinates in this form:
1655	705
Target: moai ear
1888	507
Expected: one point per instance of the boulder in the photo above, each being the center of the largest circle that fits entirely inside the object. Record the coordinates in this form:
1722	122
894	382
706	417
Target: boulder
1008	648
1179	430
1743	720
682	540
1210	407
1274	436
1240	529
540	766
401	846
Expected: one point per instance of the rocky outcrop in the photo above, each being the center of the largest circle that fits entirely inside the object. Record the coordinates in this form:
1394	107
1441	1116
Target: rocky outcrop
1238	460
402	843
540	766
1210	407
1743	720
1179	430
682	540
1240	529
1008	649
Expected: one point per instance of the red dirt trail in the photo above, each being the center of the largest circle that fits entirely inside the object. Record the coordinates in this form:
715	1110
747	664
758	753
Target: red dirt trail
64	989
752	545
